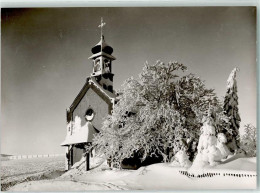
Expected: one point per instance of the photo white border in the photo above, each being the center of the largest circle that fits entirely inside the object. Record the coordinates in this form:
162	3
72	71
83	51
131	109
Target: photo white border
151	3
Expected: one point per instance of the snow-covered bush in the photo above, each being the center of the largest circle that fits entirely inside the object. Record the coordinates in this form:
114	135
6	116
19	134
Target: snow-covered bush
221	145
181	159
249	140
157	114
231	111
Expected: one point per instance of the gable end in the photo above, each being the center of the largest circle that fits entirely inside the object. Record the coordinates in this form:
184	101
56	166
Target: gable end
82	93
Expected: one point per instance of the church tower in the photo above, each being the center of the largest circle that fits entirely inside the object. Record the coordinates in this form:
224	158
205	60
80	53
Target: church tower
94	102
102	62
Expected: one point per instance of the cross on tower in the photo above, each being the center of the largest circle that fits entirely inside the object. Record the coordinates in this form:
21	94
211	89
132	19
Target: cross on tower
102	24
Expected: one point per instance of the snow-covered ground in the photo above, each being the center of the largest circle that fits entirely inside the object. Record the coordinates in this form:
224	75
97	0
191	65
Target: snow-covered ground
236	173
24	170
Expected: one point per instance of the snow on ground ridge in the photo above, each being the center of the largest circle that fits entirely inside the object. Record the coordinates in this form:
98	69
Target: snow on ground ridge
163	175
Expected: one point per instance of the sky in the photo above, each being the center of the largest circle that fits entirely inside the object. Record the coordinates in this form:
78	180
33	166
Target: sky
44	60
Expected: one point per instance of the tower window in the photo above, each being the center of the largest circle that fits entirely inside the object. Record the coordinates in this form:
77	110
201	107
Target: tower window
110	88
110	76
107	66
105	76
105	86
97	66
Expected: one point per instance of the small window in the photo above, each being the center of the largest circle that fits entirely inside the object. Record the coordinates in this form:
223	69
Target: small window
105	86
110	88
110	76
89	114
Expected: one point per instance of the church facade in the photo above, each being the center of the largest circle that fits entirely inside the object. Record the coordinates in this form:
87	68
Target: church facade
93	103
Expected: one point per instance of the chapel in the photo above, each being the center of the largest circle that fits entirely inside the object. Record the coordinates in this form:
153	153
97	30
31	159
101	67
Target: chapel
93	103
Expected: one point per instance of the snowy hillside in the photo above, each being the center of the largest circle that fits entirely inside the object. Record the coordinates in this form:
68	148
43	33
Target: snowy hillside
162	176
24	170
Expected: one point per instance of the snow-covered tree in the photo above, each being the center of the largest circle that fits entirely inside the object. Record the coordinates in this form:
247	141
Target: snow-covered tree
231	111
210	148
157	114
249	140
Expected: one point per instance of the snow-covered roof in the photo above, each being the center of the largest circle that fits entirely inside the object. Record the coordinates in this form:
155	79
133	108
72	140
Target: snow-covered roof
81	135
101	53
91	81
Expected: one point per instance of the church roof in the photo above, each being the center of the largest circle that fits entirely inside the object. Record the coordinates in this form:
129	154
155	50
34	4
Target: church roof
83	134
92	83
102	46
102	54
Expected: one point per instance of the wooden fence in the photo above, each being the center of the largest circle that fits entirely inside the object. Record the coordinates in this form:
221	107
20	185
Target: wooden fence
239	174
33	156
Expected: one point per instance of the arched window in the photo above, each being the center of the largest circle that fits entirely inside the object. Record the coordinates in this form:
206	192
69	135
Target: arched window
97	66
107	65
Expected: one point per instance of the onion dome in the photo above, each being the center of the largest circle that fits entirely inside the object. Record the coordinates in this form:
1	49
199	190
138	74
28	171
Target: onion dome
102	46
